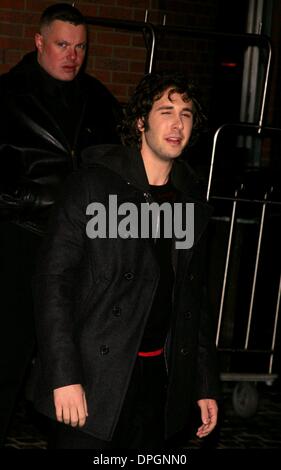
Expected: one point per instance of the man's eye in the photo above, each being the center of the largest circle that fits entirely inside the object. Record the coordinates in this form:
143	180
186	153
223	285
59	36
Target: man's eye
81	46
63	45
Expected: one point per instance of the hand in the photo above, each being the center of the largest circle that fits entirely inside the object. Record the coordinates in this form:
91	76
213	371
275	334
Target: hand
209	416
29	196
71	405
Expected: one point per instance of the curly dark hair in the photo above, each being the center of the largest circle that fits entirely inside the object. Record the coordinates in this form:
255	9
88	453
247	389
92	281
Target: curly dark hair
150	89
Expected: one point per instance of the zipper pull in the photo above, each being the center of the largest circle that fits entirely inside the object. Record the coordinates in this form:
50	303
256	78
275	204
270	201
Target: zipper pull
74	160
148	198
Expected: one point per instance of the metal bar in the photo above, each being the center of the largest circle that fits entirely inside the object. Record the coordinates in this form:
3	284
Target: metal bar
152	51
255	272
153	42
266	81
215	138
246	38
226	267
128	25
243	199
244	377
275	326
239	126
249	39
146	16
248	351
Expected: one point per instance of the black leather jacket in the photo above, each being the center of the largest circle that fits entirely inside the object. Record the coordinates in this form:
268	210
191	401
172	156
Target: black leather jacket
35	152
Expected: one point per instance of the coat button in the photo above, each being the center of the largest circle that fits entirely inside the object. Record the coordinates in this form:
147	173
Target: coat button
116	311
129	276
184	351
187	315
104	350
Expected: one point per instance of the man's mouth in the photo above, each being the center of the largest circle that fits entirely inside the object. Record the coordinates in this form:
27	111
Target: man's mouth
174	140
69	68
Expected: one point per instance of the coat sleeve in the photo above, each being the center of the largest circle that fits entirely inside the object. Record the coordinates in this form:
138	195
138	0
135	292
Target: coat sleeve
19	194
207	377
54	283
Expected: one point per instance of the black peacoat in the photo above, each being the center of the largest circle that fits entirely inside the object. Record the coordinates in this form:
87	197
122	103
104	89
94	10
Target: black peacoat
93	298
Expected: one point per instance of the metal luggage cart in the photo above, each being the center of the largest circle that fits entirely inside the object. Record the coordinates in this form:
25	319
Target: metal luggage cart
247	360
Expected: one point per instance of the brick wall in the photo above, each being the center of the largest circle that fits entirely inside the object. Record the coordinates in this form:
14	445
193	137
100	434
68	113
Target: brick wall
118	57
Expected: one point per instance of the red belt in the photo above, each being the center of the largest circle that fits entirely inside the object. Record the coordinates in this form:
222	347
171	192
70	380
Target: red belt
158	352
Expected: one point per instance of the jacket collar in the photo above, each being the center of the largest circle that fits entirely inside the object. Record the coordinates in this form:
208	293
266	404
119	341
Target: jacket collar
128	163
28	77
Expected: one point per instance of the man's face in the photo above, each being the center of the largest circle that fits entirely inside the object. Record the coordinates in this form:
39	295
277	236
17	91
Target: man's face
61	49
169	127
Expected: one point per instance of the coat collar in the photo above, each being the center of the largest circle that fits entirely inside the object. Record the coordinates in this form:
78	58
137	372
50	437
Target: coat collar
128	163
28	77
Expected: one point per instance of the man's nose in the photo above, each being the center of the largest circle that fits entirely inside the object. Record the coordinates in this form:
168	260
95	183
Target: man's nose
72	53
178	122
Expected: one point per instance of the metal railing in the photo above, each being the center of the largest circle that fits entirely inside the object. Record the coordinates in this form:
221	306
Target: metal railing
247	39
130	25
262	205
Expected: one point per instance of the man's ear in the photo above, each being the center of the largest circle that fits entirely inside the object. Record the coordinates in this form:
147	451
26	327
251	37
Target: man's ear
38	38
140	124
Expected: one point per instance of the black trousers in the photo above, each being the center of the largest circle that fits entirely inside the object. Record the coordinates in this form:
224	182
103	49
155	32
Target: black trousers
141	422
18	254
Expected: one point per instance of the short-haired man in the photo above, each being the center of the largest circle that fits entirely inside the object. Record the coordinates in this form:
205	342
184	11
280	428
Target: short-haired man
50	111
125	338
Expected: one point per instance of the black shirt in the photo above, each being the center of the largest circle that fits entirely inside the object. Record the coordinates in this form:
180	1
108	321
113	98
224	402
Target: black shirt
160	315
